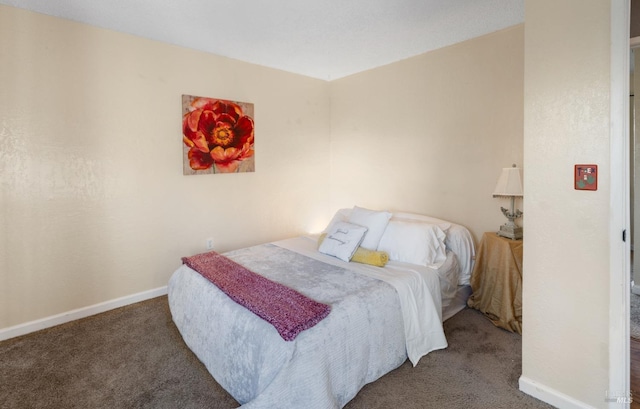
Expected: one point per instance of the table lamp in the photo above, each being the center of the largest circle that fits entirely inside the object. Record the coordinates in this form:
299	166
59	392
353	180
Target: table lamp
510	185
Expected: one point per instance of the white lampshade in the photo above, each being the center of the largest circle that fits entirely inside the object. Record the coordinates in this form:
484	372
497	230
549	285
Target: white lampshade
510	183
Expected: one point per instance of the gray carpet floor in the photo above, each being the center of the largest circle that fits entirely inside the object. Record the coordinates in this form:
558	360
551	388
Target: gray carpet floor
634	315
134	357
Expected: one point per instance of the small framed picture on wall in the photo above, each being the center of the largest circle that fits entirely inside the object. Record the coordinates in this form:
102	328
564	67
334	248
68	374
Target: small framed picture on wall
217	135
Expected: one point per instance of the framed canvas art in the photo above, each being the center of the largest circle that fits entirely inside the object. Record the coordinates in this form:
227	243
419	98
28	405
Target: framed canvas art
217	136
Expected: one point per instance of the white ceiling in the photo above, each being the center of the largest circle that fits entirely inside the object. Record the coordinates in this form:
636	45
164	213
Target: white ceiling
325	39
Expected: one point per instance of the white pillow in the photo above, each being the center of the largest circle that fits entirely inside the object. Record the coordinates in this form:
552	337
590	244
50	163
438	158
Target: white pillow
443	224
374	221
342	240
414	243
459	241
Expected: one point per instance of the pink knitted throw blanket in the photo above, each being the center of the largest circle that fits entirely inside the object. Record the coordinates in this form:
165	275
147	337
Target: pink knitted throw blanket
286	309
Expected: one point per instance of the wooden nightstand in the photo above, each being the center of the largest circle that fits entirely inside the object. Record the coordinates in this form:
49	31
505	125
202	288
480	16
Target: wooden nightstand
497	281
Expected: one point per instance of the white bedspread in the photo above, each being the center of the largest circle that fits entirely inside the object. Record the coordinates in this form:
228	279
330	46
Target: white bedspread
325	366
418	290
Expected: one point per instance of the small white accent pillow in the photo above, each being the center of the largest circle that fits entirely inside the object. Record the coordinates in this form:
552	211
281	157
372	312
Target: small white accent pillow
342	240
414	243
374	221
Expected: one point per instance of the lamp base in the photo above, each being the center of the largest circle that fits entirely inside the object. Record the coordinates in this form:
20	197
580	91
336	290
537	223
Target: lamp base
510	232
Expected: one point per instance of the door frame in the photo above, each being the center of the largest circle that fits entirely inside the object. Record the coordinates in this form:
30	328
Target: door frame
620	251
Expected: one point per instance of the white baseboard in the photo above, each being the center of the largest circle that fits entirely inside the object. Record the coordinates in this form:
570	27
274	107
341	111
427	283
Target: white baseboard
550	396
37	325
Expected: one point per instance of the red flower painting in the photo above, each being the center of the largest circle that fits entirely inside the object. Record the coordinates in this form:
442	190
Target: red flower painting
218	134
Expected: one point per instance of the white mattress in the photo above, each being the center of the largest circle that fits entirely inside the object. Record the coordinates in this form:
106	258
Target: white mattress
324	366
456	302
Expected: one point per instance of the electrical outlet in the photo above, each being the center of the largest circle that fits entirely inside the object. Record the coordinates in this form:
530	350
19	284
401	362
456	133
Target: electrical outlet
209	244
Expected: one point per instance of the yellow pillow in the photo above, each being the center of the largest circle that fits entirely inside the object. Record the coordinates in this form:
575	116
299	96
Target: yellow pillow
365	256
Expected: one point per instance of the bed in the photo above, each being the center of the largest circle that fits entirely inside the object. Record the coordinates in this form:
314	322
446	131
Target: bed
379	316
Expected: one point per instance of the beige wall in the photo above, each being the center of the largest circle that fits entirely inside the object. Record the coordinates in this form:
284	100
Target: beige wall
566	253
432	133
93	203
